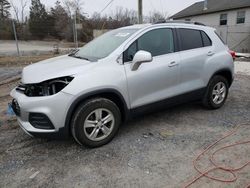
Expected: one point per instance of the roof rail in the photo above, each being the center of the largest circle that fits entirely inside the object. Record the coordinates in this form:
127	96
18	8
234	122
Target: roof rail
179	21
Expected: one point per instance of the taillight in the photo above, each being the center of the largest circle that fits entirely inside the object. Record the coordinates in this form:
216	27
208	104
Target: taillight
233	54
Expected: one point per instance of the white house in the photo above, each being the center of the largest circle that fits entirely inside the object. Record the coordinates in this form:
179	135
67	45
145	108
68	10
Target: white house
231	18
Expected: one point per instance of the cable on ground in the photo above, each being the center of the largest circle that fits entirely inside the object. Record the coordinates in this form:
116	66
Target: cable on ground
229	170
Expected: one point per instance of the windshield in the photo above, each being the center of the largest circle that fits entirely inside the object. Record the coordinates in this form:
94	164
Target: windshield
104	45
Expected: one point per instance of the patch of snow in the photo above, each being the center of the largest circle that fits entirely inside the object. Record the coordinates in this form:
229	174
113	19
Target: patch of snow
242	67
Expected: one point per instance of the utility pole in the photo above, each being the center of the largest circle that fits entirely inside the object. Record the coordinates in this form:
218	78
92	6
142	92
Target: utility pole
76	42
140	11
15	35
74	27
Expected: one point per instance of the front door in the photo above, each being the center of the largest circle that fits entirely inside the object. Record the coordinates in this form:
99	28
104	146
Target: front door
158	79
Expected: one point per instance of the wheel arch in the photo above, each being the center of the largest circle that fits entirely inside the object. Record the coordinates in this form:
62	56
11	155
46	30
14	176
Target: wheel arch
226	73
111	94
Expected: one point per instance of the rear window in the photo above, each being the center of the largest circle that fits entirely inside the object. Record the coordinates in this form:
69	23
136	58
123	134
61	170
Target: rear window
190	39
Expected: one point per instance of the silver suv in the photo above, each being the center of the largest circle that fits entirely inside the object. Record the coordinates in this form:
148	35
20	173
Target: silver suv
123	73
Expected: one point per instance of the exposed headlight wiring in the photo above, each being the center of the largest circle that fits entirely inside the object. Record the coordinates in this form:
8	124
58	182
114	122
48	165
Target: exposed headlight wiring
46	88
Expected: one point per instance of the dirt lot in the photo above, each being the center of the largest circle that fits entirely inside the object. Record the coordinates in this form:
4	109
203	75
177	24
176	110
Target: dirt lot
8	47
152	151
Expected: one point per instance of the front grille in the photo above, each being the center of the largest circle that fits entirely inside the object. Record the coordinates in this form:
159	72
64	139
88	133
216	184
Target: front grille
15	106
40	121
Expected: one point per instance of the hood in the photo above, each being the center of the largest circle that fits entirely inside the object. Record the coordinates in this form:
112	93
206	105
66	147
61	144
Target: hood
54	68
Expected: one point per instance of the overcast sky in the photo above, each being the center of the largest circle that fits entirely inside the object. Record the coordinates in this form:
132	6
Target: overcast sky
91	6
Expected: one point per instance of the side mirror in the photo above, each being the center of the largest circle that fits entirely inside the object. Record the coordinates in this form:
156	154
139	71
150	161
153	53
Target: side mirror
139	58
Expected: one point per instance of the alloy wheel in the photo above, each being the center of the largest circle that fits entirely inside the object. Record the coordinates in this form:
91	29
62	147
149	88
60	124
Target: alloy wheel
99	124
219	93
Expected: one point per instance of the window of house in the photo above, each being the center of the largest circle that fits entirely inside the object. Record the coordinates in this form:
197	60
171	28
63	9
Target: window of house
190	39
157	42
241	17
223	19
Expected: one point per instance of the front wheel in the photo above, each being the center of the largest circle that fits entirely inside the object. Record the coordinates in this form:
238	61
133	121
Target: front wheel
95	122
216	93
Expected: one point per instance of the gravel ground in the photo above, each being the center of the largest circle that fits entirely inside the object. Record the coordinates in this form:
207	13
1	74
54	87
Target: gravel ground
151	151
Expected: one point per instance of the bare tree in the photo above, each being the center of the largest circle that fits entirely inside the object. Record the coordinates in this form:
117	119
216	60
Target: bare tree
17	10
157	16
73	6
23	6
125	16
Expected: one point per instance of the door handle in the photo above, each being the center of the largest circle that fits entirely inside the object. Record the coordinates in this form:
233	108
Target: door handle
210	53
172	64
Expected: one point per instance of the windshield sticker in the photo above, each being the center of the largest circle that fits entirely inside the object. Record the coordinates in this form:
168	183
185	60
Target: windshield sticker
122	34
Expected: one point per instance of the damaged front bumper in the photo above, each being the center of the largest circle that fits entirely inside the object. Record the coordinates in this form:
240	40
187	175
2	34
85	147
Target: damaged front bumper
42	116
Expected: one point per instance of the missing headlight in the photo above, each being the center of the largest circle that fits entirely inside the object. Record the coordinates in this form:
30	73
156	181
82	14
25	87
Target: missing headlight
46	88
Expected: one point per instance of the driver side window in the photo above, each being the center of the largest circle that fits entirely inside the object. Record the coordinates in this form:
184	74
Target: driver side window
157	42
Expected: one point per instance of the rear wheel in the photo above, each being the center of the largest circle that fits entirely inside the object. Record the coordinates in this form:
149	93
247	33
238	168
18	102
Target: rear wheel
95	122
216	93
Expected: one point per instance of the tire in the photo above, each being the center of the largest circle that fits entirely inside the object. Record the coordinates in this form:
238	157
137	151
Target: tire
95	122
209	100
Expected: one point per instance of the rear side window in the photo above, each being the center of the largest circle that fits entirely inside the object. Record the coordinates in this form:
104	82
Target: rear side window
190	39
206	40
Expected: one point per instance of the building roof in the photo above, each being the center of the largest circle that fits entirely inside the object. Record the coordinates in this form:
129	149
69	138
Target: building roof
212	6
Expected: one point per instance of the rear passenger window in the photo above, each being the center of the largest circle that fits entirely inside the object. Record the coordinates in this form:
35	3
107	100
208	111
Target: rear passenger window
206	40
190	39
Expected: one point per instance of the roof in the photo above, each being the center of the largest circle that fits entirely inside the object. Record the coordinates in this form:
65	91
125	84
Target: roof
212	6
175	23
136	26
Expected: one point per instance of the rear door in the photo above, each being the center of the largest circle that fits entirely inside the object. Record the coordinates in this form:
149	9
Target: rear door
158	79
195	51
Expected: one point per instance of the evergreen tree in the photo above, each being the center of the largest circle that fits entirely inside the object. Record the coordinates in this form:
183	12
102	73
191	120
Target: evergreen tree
5	22
4	9
38	22
61	21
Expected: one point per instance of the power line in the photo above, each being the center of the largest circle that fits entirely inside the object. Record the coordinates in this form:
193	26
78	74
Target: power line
106	6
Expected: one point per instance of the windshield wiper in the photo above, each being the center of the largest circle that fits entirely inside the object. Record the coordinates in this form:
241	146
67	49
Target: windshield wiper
79	57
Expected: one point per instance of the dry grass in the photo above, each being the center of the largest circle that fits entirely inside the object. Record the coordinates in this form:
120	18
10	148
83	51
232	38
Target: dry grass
23	60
